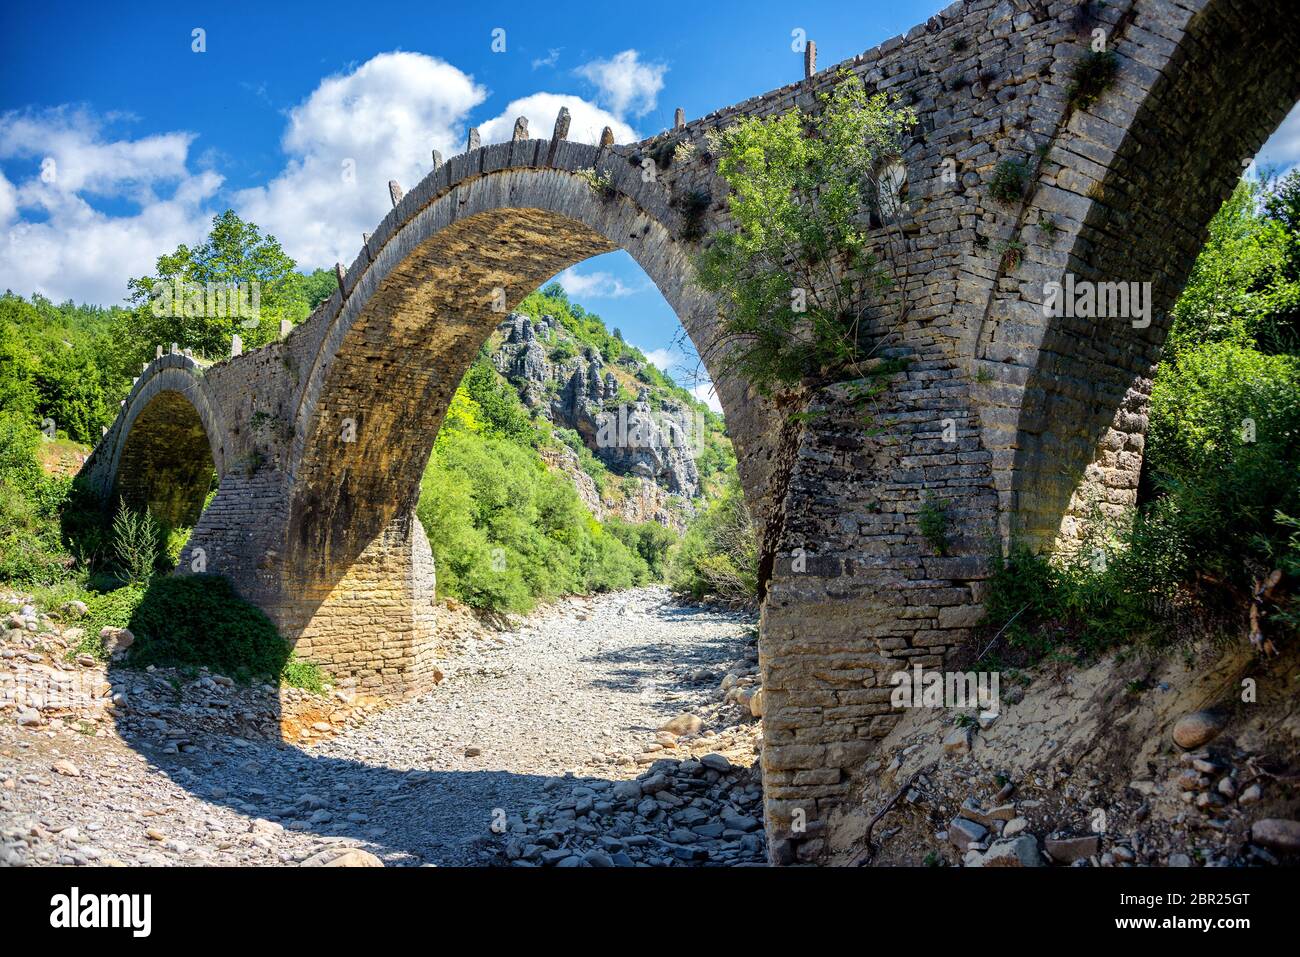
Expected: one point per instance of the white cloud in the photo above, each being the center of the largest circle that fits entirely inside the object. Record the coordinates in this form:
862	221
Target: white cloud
663	358
8	201
596	285
685	369
1282	150
625	83
343	143
70	249
551	58
74	156
353	134
704	392
586	120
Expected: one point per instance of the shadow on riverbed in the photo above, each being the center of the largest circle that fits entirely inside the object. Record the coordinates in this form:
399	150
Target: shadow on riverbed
209	738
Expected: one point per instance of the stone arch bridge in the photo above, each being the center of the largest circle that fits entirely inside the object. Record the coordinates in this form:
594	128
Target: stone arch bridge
1020	423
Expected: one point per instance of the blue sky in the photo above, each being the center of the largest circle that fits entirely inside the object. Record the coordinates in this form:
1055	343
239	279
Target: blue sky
118	141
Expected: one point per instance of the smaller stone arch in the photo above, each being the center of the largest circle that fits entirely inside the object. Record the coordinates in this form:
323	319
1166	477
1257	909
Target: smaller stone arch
164	449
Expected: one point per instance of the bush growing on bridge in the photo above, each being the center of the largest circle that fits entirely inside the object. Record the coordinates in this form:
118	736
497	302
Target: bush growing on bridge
788	276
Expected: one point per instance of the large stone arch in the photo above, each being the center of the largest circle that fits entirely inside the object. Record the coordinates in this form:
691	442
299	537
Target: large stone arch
418	306
163	450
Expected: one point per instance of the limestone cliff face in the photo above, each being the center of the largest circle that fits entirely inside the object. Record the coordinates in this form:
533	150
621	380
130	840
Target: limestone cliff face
649	435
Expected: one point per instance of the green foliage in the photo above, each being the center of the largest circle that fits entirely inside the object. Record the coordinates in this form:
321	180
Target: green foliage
1222	465
933	523
718	556
110	609
1224	449
498	407
303	674
58	363
30	546
235	252
135	544
649	540
1091	75
1105	595
199	621
317	286
1245	285
506	531
788	275
1010	180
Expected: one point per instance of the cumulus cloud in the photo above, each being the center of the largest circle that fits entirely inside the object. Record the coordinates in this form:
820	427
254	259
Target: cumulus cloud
342	144
594	285
1282	151
704	392
56	243
353	134
75	157
625	83
586	120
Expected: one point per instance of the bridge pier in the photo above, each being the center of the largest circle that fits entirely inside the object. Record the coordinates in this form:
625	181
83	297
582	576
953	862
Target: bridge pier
372	622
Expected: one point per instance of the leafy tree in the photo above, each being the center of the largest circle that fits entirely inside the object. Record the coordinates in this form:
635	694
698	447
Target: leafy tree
1245	284
17	386
235	254
718	556
317	286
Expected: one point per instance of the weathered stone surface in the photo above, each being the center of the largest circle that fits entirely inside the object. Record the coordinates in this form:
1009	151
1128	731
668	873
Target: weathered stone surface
343	857
1069	849
1276	833
1021	852
1198	728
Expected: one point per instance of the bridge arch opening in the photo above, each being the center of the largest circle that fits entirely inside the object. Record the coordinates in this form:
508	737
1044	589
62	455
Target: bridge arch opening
375	396
167	463
1228	85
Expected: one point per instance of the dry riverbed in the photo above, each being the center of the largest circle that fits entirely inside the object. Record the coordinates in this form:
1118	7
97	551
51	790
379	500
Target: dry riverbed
616	730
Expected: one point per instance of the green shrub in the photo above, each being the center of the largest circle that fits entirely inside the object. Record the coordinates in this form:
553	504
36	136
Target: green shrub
649	540
1010	180
786	277
199	621
933	523
31	551
1092	74
718	556
135	544
1224	448
110	609
506	532
303	674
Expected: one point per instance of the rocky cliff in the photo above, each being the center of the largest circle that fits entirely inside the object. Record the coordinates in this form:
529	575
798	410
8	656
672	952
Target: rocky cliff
633	427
